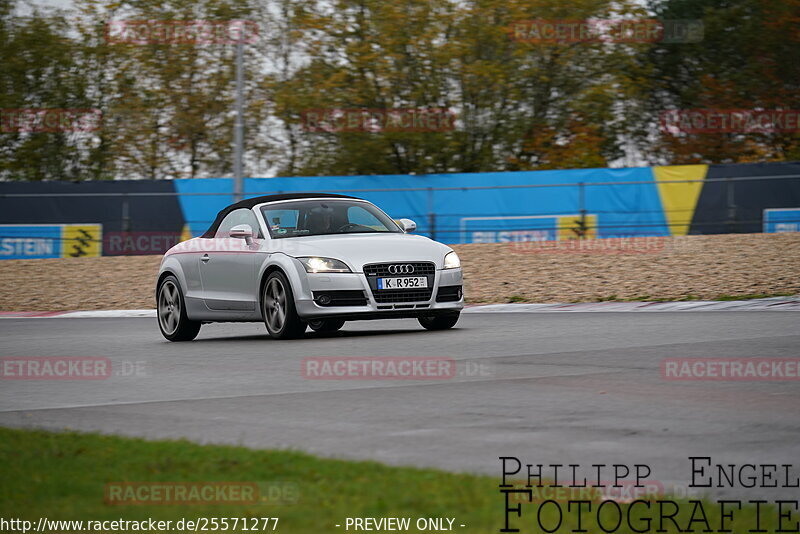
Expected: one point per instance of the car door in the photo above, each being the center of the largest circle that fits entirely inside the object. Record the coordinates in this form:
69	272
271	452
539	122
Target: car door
228	266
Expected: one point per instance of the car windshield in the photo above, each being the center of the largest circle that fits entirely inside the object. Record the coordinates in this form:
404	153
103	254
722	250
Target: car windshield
324	217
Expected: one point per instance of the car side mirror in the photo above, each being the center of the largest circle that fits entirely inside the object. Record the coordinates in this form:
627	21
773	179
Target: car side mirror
407	225
242	231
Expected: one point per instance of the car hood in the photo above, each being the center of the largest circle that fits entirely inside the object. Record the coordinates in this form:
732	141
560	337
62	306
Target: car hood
357	250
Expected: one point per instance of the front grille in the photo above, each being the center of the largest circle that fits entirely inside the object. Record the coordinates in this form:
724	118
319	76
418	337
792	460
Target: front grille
340	298
449	294
402	295
417	268
421	268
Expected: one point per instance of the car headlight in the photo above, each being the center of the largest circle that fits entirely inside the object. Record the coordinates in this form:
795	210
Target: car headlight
314	264
451	261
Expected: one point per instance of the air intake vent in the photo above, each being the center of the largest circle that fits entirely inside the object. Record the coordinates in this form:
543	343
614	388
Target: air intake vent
449	294
340	298
402	295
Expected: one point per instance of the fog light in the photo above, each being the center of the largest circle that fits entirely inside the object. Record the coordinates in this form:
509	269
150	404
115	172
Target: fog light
324	299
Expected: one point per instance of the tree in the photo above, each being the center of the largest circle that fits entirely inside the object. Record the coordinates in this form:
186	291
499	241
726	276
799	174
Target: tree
520	105
39	72
169	103
746	60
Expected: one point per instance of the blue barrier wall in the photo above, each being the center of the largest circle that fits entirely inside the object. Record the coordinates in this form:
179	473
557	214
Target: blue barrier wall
630	207
148	217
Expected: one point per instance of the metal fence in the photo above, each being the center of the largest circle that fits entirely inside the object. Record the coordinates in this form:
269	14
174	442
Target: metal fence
722	205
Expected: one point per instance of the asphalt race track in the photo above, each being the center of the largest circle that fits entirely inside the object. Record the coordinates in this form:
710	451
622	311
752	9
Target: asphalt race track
563	388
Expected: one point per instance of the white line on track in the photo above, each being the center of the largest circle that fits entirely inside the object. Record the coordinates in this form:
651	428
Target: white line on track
767	304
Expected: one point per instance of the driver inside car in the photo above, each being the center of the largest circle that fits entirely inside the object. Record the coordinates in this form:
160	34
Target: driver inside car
320	220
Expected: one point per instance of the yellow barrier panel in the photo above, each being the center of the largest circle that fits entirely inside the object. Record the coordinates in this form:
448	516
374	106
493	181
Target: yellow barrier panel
679	199
571	227
81	240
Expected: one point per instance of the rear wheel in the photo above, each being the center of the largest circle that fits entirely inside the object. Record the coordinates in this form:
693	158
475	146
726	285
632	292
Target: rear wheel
326	325
280	314
439	322
171	310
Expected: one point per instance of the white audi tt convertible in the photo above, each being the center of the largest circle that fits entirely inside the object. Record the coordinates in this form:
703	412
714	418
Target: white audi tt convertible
306	260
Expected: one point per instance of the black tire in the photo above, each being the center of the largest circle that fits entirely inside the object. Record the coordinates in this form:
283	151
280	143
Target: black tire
439	322
280	313
325	325
171	312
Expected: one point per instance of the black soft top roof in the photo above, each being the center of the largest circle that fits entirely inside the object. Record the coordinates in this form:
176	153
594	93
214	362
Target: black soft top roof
250	203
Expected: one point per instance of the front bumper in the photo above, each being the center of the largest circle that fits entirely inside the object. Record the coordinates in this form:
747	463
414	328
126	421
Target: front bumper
317	284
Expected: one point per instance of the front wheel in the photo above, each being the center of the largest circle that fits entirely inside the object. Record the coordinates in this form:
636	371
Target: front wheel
439	322
280	314
171	310
325	325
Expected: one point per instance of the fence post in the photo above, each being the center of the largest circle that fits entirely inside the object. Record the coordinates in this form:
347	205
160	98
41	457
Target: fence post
731	205
582	209
126	215
431	215
238	126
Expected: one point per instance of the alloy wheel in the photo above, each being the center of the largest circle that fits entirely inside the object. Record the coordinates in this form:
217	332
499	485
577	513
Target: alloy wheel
275	304
169	307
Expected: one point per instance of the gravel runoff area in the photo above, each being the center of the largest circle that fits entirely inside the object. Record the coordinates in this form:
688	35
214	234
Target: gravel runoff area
702	267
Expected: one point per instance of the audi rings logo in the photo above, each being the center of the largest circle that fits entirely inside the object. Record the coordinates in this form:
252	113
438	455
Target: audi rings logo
404	268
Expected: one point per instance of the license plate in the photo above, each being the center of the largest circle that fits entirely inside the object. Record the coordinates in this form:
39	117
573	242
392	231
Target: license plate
406	282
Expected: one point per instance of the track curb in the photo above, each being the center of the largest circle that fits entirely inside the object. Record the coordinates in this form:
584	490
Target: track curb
767	304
